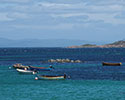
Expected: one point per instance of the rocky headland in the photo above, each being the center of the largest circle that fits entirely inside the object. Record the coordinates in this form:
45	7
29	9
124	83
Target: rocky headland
117	44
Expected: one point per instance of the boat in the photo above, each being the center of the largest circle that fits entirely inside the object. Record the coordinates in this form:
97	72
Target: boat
50	77
25	71
111	64
20	66
41	68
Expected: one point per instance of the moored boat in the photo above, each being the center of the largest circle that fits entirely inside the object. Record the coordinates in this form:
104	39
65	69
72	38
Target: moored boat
111	64
20	66
25	71
50	77
41	68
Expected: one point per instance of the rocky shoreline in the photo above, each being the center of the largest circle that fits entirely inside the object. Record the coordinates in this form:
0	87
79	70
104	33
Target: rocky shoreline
118	44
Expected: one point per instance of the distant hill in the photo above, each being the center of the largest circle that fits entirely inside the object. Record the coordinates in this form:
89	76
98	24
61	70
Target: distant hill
122	43
40	42
117	44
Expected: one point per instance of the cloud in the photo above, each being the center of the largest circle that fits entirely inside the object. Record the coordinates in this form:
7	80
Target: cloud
16	15
107	18
15	1
66	15
105	9
4	17
93	10
107	2
11	16
46	7
45	27
54	5
120	16
71	18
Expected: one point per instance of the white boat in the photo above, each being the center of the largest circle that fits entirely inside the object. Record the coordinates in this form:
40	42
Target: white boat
50	77
25	71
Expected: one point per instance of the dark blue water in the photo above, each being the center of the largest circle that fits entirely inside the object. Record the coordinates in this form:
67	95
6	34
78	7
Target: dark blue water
43	54
88	80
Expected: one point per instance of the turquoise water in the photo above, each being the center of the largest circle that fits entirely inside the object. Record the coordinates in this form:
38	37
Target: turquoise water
15	86
24	87
89	80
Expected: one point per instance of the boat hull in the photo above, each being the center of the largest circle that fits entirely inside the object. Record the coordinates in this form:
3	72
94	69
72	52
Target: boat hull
111	64
40	68
25	71
44	77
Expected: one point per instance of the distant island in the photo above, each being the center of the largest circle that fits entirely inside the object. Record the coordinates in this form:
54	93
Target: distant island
65	43
42	42
117	44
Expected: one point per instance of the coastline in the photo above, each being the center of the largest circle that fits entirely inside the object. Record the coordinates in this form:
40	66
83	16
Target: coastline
117	44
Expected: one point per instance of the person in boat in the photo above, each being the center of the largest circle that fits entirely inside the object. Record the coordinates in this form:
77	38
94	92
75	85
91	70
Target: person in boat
64	75
29	67
35	71
25	68
51	66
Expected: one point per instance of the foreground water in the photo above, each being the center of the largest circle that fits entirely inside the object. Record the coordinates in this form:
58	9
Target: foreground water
89	80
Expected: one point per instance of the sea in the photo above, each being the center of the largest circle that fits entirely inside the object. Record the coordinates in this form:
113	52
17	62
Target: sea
88	80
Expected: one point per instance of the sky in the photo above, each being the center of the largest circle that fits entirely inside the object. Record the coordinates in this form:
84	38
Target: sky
92	20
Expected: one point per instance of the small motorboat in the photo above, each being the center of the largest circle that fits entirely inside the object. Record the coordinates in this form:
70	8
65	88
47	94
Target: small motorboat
25	71
41	68
50	77
111	64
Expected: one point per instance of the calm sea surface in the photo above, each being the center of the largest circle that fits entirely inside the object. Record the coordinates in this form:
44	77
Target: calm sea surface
88	80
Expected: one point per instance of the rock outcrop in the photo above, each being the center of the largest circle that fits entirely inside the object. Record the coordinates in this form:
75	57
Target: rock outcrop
118	44
64	61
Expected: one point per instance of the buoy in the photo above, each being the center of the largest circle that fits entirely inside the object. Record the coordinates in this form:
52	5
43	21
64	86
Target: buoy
25	68
69	77
36	78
